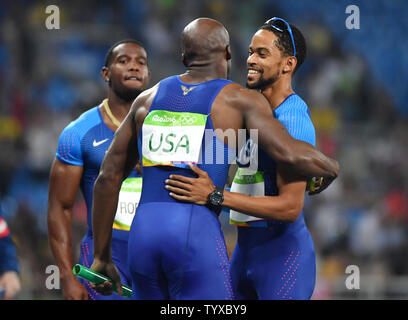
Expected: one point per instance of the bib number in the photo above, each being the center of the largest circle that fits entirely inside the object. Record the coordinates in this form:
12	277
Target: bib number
129	197
172	138
251	183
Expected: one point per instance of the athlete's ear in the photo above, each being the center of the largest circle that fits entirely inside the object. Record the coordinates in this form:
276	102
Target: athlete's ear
228	52
290	64
148	78
105	73
183	58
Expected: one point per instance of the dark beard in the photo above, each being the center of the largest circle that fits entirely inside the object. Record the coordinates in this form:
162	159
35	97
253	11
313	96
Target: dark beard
263	83
126	94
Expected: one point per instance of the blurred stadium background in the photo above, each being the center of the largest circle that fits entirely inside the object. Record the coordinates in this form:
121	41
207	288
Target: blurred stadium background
353	80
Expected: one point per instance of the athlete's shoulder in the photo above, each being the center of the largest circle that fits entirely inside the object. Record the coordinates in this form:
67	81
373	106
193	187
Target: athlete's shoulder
244	97
148	94
293	103
235	89
83	124
295	115
69	148
86	120
169	78
143	102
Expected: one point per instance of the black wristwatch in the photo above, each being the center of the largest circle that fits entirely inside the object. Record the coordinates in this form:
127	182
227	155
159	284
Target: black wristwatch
215	199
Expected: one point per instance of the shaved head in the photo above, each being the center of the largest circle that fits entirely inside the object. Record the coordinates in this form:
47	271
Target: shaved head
201	39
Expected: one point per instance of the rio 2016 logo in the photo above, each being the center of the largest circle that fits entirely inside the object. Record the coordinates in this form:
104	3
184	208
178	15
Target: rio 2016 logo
186	120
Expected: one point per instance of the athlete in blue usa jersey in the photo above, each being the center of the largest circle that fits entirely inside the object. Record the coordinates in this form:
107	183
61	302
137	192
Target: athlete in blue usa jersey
286	268
274	257
81	150
176	249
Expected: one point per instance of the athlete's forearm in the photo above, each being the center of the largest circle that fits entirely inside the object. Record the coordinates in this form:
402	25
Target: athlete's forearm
64	184
265	207
105	200
310	162
120	158
59	236
304	159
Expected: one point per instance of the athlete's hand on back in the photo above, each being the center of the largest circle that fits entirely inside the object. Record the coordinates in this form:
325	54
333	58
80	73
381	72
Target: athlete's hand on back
72	289
195	190
108	269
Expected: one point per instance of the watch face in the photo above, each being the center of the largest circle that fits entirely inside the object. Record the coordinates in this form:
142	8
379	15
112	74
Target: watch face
216	201
216	198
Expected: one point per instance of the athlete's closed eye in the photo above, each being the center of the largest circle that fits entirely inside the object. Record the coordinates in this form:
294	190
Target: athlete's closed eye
262	52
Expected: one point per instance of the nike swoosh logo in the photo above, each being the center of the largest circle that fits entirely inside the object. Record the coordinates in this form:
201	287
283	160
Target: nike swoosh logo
95	144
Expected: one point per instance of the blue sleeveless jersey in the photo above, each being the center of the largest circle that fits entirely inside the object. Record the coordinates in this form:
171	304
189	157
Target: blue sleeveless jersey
177	250
196	98
84	142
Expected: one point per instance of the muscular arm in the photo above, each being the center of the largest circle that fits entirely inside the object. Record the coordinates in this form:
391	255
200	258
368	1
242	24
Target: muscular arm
119	160
64	186
286	206
304	159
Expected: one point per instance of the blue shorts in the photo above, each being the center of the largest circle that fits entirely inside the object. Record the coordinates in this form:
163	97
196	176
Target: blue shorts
119	258
270	267
177	251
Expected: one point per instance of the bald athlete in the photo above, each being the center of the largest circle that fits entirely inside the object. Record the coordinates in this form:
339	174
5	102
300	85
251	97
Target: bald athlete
177	250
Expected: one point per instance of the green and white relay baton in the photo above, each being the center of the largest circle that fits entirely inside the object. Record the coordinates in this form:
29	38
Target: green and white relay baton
97	278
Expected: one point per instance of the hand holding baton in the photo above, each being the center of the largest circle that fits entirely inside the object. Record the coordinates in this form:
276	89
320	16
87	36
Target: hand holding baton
97	278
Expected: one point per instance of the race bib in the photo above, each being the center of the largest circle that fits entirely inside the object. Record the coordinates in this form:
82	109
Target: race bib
172	138
251	183
129	197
